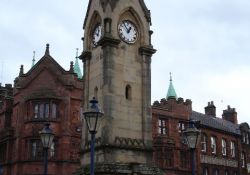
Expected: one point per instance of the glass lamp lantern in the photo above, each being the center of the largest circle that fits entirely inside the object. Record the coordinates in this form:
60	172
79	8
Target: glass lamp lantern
93	116
192	135
47	136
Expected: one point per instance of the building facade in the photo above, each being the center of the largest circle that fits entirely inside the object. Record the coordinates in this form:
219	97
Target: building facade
223	147
45	94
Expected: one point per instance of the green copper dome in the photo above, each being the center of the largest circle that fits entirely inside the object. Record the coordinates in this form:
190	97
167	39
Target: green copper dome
171	91
77	69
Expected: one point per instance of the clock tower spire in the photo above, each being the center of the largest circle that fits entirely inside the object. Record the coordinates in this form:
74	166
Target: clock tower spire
117	68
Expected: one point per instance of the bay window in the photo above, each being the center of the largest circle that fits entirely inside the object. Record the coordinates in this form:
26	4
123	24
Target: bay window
45	109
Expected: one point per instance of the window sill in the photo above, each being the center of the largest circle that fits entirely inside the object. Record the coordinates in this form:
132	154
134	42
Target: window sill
33	120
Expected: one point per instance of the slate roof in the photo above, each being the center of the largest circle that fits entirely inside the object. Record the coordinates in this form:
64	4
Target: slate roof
215	122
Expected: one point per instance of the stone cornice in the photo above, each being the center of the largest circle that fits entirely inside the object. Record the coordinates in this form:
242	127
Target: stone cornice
108	40
86	55
147	50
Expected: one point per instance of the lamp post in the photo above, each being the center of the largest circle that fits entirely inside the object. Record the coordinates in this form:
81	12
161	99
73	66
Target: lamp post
93	118
1	169
47	137
192	134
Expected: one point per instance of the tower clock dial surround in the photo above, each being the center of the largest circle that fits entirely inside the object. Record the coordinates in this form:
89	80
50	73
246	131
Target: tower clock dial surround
96	34
128	31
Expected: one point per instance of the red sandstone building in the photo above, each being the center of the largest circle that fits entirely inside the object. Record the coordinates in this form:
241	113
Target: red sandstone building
46	93
224	144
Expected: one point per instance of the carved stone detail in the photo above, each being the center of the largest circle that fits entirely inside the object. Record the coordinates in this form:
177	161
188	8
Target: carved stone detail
124	169
112	3
129	143
218	161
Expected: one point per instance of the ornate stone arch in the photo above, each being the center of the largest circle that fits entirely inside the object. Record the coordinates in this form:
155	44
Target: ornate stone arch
131	14
94	20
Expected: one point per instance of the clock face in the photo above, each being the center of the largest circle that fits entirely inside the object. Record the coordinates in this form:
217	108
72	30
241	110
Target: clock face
97	34
128	31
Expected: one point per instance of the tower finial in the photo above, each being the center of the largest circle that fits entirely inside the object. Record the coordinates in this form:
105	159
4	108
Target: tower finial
21	71
47	49
77	69
171	91
77	52
33	60
71	67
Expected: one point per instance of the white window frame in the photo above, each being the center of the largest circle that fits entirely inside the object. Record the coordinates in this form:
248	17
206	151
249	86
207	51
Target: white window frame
232	148
243	162
205	171
224	147
181	127
204	143
244	137
216	172
213	144
162	126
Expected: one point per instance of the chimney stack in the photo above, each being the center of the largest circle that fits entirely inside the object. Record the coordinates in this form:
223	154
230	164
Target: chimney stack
210	109
230	115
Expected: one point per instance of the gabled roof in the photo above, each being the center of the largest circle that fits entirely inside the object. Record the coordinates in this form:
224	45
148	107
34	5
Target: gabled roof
46	56
49	64
216	123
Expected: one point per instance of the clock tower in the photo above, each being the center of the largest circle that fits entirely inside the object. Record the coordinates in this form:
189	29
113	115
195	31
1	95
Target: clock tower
117	54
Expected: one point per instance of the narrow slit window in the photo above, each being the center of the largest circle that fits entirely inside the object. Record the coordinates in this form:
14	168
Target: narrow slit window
128	92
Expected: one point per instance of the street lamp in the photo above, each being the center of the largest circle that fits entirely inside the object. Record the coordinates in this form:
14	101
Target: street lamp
47	137
1	169
192	136
93	118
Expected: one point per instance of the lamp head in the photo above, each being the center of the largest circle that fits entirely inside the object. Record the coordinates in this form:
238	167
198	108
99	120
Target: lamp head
47	136
93	116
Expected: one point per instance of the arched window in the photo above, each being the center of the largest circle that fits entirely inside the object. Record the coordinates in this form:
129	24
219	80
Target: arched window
128	92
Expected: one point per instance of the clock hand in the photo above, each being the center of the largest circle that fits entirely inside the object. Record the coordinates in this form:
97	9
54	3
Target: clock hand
125	26
98	31
129	29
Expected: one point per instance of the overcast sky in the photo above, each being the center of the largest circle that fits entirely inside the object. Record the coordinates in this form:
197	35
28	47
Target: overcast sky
205	44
